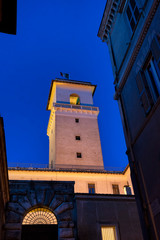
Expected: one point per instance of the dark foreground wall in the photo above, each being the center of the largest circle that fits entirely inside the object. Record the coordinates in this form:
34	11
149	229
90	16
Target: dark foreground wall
4	189
94	211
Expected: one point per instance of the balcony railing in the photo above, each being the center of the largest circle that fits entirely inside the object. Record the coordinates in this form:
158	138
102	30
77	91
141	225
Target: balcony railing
72	106
47	167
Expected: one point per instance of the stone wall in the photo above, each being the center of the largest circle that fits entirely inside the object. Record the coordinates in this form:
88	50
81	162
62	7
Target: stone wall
56	196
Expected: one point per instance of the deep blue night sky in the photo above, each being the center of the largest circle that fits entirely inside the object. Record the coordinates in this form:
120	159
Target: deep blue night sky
52	37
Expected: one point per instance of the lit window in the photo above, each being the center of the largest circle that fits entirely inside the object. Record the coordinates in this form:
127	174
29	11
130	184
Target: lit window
115	188
79	155
108	233
74	99
77	138
91	188
77	120
132	13
127	190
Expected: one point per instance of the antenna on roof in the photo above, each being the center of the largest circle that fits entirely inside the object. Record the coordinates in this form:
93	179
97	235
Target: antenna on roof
65	75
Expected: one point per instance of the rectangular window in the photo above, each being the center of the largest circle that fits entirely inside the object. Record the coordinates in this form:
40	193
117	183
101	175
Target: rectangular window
152	75
91	188
148	78
127	190
77	120
132	13
108	233
79	155
77	137
115	188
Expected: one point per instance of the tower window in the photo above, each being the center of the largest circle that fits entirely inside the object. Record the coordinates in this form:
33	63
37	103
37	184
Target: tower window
91	188
74	99
77	137
115	188
79	155
77	120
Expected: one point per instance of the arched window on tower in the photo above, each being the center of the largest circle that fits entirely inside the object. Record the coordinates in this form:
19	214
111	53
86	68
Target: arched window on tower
39	223
74	99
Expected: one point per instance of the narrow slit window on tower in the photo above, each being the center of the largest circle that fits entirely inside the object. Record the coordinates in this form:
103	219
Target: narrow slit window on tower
77	137
79	155
77	120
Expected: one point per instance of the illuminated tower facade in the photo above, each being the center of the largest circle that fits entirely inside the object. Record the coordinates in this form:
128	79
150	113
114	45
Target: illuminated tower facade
74	140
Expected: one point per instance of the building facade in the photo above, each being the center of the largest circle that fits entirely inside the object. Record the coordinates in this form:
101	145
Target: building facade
75	197
131	30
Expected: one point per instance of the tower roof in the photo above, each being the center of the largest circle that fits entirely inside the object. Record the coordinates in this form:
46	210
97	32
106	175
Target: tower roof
66	81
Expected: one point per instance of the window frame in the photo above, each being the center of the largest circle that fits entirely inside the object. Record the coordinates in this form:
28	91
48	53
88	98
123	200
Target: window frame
79	155
115	184
109	225
125	189
89	187
128	5
77	137
153	83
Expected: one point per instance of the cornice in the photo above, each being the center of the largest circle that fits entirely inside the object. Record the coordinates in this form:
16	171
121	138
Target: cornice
111	9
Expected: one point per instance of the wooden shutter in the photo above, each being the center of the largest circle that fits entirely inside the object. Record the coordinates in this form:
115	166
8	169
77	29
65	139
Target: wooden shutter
145	96
155	48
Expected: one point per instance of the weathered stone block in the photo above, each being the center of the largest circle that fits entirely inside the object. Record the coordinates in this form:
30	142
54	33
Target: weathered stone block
55	203
12	217
15	207
48	197
24	202
14	198
64	224
13	226
13	235
32	198
63	207
65	232
18	192
65	216
40	196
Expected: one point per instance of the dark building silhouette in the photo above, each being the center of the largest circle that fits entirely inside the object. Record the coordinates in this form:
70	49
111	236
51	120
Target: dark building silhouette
4	188
131	30
8	16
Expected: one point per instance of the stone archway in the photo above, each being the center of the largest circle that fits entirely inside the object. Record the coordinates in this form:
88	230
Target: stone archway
39	223
27	195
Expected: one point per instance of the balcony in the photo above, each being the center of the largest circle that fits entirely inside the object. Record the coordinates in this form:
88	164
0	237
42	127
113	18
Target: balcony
59	106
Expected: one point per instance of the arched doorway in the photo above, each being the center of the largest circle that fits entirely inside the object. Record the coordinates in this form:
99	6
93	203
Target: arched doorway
39	223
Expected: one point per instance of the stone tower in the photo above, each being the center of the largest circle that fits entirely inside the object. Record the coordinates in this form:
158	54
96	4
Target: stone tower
73	131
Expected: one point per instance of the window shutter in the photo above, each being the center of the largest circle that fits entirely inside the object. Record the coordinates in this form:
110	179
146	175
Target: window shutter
145	97
155	48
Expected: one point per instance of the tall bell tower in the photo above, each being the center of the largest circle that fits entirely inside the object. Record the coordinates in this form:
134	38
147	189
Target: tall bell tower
74	141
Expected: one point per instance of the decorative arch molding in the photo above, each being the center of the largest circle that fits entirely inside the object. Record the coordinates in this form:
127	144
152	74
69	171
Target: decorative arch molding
26	196
39	215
